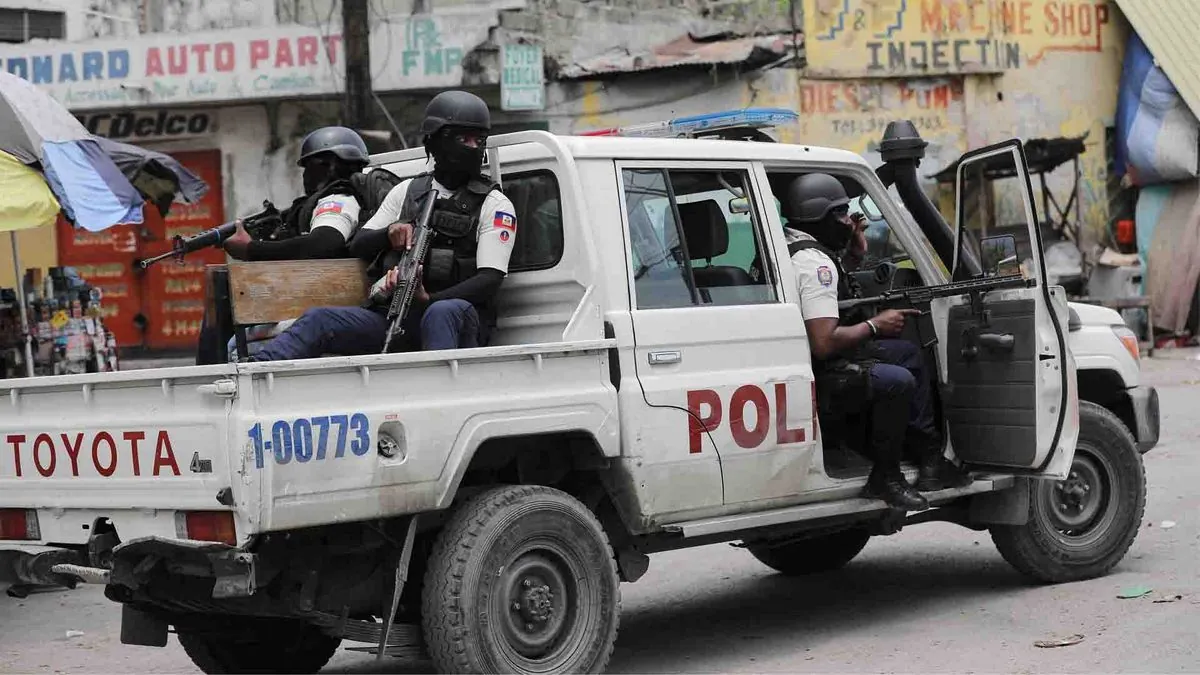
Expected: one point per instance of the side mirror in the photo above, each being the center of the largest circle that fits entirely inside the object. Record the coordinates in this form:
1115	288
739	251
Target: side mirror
739	205
999	255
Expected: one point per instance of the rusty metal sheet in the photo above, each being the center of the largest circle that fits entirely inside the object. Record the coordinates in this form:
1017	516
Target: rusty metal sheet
688	50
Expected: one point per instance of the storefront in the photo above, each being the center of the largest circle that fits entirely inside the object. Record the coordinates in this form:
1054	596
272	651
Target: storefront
230	106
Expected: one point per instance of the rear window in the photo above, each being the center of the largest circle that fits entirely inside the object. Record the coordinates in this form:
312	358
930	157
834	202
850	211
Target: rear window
535	198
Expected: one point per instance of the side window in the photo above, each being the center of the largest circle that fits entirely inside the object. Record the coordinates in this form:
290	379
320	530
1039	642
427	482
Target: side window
535	198
696	238
993	226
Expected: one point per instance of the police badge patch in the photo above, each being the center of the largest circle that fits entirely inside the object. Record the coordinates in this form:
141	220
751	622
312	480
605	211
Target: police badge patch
824	275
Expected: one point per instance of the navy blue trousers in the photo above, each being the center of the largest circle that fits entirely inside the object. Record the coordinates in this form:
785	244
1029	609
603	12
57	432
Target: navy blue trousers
349	331
900	379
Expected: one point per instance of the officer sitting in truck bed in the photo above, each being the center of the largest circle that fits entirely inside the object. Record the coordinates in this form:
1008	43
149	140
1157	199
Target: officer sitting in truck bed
853	369
474	226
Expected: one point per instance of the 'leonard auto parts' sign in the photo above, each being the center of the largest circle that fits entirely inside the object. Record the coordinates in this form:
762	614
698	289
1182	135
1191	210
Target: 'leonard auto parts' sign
418	52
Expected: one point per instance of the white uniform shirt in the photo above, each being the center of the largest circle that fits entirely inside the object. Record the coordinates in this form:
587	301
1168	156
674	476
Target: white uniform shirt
337	211
816	279
495	232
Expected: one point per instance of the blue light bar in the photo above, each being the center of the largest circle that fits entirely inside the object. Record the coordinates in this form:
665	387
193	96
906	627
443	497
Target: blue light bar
686	127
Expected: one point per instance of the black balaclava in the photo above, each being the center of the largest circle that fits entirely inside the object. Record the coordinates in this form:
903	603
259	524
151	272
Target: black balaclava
454	162
322	171
833	231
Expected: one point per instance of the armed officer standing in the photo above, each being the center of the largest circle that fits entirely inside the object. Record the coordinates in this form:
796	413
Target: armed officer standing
853	366
474	228
318	223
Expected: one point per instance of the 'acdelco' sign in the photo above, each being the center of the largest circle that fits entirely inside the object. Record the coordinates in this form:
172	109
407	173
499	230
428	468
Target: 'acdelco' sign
149	124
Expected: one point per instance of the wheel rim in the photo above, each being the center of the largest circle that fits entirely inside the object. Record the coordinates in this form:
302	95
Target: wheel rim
1080	509
537	602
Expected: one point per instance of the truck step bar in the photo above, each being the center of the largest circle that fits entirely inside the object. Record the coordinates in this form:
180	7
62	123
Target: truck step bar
831	509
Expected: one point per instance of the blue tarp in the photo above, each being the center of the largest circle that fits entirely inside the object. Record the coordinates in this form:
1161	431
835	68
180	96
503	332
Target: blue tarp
1157	135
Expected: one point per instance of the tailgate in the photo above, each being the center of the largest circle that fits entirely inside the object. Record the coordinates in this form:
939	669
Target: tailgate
132	447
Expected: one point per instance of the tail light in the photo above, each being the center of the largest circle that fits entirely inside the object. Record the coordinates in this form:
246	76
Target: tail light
208	526
19	524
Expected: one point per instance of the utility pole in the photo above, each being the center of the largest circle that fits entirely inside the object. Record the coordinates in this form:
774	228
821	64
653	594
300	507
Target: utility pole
356	31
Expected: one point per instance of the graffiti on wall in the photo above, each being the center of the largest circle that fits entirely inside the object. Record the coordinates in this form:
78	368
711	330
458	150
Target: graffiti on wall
883	38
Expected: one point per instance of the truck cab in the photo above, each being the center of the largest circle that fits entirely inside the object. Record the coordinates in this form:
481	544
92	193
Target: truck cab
648	387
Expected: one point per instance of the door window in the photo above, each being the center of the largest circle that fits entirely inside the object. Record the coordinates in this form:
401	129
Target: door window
996	217
695	237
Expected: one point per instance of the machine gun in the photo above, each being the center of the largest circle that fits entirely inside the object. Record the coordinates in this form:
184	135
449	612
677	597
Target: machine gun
259	225
919	298
407	269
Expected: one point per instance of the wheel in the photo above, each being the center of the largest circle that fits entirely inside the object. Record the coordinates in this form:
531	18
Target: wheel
521	580
1080	527
810	556
266	647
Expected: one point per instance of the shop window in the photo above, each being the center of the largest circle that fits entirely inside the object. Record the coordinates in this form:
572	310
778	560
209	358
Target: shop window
23	25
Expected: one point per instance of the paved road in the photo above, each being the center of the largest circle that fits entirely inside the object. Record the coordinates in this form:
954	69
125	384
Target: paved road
935	598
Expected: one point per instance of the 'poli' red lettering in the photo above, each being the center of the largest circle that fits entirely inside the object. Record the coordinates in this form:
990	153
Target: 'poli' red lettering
743	435
697	423
111	468
164	455
73	451
44	440
133	437
782	433
16	440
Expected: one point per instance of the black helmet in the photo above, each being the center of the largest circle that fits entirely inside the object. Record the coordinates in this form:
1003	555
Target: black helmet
344	143
811	196
456	109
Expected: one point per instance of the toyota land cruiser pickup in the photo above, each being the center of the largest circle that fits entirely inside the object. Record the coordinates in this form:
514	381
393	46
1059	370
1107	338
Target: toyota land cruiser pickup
648	387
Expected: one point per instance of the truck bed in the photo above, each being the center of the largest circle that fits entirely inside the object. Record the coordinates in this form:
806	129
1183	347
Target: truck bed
287	444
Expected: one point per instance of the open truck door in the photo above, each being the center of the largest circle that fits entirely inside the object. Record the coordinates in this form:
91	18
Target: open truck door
1010	396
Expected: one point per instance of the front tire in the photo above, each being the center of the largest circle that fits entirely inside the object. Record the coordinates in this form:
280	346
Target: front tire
521	580
1080	527
263	647
812	556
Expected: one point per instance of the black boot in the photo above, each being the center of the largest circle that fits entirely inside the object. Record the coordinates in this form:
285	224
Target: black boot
939	473
892	488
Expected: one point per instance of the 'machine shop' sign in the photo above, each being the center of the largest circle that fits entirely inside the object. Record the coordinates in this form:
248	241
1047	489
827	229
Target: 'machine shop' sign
283	61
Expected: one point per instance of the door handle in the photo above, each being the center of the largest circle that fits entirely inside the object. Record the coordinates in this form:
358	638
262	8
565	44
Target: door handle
223	388
661	358
997	342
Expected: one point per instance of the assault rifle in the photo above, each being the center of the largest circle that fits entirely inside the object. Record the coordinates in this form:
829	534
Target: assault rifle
918	298
407	268
259	225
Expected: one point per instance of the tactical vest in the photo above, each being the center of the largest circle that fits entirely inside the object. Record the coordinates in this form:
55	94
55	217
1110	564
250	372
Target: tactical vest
455	221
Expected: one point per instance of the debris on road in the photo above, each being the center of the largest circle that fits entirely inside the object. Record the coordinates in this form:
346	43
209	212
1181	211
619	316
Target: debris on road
1135	592
74	633
1167	598
1064	642
1167	524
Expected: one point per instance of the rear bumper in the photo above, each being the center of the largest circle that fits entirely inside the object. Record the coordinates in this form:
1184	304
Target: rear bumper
1146	416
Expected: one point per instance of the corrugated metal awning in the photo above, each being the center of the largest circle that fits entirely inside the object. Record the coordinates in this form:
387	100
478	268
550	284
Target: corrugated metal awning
687	50
1170	29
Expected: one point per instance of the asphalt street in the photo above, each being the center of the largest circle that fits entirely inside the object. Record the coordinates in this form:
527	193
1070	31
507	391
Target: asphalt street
935	598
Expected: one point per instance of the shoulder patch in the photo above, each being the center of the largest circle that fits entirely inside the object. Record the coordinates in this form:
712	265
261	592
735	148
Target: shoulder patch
824	275
330	206
505	221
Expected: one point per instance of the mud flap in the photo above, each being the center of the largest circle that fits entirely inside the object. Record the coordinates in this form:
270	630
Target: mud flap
1004	507
142	628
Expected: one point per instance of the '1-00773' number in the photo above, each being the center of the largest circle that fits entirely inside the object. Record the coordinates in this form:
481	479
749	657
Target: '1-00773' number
306	439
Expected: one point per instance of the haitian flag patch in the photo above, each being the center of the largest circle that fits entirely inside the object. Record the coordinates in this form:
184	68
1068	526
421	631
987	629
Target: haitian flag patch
505	221
328	207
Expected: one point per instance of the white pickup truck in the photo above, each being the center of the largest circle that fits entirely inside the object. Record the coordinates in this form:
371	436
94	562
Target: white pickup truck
648	388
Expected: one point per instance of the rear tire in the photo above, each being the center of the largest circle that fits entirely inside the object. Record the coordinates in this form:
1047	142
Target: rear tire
1079	528
812	556
521	580
266	647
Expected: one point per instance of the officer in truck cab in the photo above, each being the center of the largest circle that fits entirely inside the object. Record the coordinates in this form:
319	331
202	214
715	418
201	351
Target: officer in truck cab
317	224
474	227
857	361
